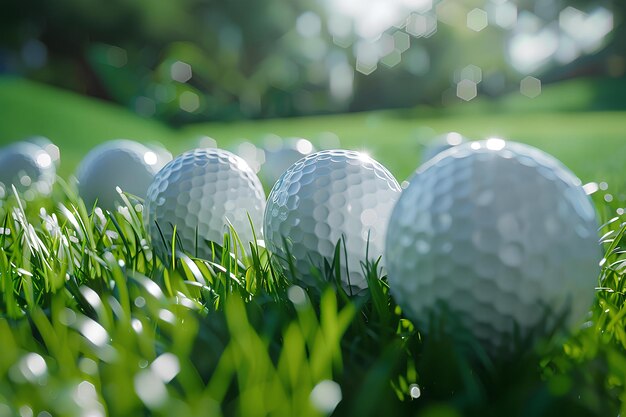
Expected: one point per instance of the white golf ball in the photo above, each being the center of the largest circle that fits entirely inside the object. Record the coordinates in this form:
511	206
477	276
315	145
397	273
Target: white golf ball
496	237
201	193
280	154
326	196
27	167
440	144
123	164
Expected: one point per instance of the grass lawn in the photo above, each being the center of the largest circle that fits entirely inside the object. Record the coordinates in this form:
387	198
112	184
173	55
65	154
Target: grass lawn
396	138
93	324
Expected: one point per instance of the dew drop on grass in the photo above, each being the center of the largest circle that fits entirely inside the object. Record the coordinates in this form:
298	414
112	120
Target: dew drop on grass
137	325
167	316
325	396
88	366
94	332
26	411
414	391
85	394
297	296
33	367
166	367
150	389
67	317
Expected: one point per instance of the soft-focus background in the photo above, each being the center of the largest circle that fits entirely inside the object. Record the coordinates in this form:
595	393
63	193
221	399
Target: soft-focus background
547	72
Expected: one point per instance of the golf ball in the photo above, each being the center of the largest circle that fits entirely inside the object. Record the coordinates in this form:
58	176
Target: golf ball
201	193
440	144
123	164
280	154
497	236
27	167
320	199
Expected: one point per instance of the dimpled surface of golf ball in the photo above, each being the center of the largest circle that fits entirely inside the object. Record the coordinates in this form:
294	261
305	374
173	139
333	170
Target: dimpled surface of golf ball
201	192
320	198
27	167
121	163
498	234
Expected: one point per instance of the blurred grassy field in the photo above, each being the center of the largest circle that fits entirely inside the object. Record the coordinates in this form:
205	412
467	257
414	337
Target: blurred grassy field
592	143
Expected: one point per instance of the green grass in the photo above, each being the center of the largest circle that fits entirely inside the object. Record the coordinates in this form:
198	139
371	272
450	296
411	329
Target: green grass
577	139
74	123
91	321
396	138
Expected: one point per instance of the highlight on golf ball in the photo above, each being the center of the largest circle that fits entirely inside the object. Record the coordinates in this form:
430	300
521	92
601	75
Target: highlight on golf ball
201	194
28	168
497	237
117	164
324	198
441	143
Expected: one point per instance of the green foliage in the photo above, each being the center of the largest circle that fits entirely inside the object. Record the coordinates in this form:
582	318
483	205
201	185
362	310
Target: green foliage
248	59
92	322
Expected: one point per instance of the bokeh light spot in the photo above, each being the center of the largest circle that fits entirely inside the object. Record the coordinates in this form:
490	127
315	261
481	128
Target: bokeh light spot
530	87
180	71
150	158
326	395
401	41
477	20
466	90
309	24
189	101
44	160
392	59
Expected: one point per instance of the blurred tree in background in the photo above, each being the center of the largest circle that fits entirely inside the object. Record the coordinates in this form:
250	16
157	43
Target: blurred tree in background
193	60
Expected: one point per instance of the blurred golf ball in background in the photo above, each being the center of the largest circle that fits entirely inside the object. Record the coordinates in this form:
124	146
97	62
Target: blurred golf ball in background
27	167
201	193
122	163
498	237
440	143
280	154
320	199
